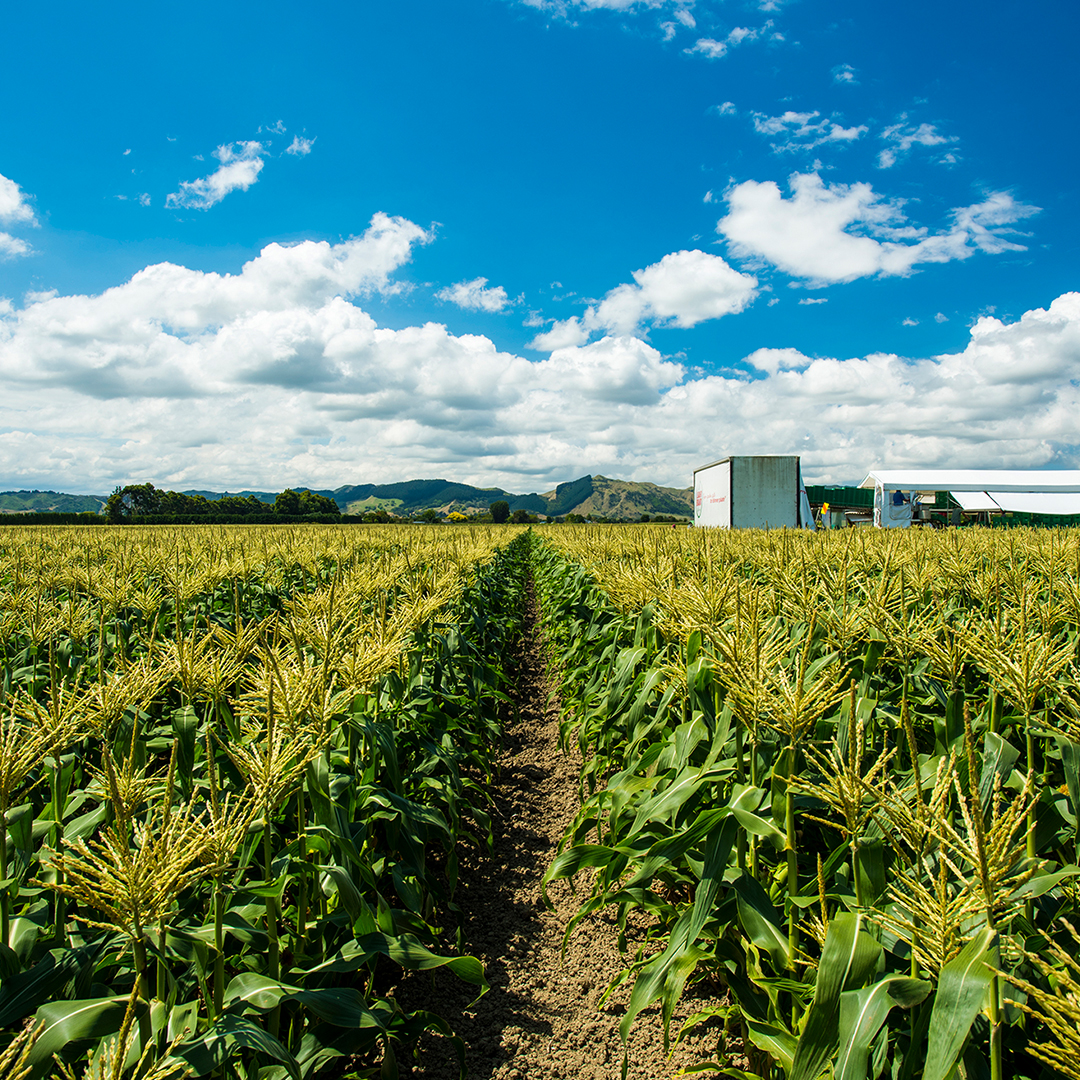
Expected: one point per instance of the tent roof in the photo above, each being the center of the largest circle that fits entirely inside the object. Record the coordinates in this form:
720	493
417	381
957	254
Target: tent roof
995	480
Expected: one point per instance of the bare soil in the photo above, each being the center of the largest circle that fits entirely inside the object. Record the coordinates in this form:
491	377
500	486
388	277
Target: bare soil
541	1020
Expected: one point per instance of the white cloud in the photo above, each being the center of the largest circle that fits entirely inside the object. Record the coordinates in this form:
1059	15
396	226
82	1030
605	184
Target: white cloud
726	109
300	147
474	296
713	49
684	16
798	131
11	246
808	301
15	209
240	166
144	199
845	75
909	321
901	137
708	47
14	206
832	233
272	376
563	334
775	360
940	317
681	290
563	8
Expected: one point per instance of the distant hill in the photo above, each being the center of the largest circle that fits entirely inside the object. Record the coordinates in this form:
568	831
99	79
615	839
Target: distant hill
619	500
49	502
624	500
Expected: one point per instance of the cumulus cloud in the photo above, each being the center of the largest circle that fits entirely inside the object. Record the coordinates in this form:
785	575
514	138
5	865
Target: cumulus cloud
681	290
901	137
240	166
563	8
475	296
161	331
274	376
826	233
804	131
300	147
11	246
714	49
15	209
845	75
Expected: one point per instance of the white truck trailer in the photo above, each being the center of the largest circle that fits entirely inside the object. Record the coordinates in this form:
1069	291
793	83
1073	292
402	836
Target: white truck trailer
751	493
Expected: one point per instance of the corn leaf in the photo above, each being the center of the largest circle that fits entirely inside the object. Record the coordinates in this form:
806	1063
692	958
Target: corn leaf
962	988
847	959
862	1012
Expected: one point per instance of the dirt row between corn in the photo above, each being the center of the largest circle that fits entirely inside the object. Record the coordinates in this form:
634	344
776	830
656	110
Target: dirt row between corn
542	1019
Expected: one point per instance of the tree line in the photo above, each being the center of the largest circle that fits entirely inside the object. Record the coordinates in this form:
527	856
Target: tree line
139	501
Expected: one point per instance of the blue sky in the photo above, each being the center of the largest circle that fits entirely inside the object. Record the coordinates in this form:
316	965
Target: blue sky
512	242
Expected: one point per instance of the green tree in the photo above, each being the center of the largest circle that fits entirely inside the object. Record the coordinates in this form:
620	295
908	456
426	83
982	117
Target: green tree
430	516
313	503
500	511
115	509
288	502
522	517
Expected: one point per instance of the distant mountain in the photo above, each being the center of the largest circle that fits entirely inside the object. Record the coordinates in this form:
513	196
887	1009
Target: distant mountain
619	500
624	500
49	502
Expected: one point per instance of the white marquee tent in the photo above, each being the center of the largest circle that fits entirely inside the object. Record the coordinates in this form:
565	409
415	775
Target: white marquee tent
1055	491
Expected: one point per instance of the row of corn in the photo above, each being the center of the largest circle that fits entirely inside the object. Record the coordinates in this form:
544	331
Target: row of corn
838	775
236	765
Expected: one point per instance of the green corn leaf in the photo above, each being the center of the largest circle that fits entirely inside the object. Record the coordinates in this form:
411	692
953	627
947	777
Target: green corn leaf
665	975
403	949
847	959
685	785
761	922
998	759
214	1047
580	857
348	895
775	1041
340	1006
862	1012
68	1022
185	724
46	981
672	849
870	867
1044	881
1070	760
962	988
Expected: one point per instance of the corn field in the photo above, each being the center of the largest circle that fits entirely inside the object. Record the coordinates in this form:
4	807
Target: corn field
836	776
840	773
236	766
